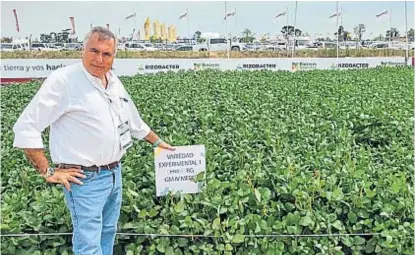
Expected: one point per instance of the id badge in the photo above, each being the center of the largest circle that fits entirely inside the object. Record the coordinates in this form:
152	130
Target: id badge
125	135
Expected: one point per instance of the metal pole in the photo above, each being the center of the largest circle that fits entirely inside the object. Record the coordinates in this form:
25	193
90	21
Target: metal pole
236	29
287	43
406	35
390	23
295	23
226	32
188	23
135	23
337	28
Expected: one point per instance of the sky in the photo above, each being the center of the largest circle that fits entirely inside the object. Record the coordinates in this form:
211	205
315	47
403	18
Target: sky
36	17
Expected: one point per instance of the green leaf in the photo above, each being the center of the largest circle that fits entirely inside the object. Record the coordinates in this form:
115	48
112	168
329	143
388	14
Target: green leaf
388	241
216	224
238	238
169	250
338	194
357	240
179	207
133	193
257	195
129	225
370	193
337	224
352	217
348	241
305	221
161	247
265	193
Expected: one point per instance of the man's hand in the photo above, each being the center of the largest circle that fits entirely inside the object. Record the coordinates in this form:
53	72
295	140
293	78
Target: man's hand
153	138
166	146
64	176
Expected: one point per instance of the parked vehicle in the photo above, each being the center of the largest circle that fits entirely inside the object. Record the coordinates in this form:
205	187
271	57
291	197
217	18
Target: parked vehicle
12	47
184	48
133	46
300	43
379	46
219	44
42	47
72	46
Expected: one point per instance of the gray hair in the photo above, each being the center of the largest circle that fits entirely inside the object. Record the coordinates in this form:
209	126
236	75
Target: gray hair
104	34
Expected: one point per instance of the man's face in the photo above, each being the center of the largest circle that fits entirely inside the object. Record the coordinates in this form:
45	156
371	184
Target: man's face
98	55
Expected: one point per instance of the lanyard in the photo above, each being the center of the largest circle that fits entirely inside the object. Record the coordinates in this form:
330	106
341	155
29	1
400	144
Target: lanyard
115	104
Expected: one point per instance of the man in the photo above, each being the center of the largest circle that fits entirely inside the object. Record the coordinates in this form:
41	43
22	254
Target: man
92	119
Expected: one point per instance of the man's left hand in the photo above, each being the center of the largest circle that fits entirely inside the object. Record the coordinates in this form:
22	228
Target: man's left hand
166	146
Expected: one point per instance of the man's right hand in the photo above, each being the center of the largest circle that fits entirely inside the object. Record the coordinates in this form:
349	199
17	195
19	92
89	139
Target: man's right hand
64	176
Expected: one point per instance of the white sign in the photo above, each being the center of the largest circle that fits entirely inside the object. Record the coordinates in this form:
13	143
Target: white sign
176	170
41	68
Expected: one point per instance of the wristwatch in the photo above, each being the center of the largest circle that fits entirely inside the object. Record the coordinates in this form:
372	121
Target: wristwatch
49	172
157	143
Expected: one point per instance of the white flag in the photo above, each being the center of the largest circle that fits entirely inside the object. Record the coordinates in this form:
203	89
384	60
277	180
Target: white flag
130	16
232	13
382	14
280	14
334	15
183	15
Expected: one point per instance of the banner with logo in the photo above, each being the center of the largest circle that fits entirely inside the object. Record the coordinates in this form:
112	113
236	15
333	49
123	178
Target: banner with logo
41	68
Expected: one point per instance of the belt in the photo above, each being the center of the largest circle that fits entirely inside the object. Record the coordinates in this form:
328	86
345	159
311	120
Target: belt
90	168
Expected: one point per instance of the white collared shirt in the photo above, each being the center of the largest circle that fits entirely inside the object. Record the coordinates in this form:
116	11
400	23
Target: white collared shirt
83	117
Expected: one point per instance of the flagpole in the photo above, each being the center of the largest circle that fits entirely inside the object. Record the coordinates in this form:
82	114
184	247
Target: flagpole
295	23
341	24
287	42
188	23
390	23
406	37
226	31
337	28
236	30
134	23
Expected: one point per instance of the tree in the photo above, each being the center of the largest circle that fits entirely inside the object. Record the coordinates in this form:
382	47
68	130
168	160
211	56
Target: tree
247	36
6	39
392	33
411	34
197	36
340	33
359	30
347	36
289	30
247	32
45	38
153	39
